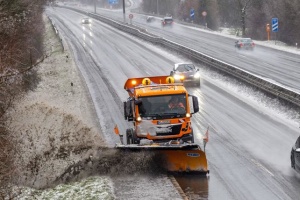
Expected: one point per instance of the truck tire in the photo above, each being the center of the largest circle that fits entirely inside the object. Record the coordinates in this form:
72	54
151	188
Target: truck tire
129	136
192	140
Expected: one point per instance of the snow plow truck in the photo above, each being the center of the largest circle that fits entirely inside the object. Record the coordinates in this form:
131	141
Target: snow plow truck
161	112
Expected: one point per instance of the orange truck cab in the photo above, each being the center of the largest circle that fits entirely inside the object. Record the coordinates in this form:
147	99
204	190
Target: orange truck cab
155	118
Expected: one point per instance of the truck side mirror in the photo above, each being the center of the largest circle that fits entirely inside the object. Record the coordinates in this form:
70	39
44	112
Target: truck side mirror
138	102
125	110
128	113
194	105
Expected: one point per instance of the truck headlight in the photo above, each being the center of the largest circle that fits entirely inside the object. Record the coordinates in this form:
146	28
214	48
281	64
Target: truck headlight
177	77
197	75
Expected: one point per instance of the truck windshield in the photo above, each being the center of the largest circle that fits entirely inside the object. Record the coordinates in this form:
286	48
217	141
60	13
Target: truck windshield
162	107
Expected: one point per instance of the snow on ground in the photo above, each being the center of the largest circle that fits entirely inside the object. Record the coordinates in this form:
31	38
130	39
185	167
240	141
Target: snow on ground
90	188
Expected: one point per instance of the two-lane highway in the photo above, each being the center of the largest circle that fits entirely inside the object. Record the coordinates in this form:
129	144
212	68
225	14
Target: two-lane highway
280	67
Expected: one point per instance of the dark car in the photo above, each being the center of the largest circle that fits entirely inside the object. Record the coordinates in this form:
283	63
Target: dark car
295	156
86	20
150	19
186	73
245	43
167	21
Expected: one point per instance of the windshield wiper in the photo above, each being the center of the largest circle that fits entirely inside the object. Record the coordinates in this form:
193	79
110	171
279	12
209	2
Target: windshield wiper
173	114
155	115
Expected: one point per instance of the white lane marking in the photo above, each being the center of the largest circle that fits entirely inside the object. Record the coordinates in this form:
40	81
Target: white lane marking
262	167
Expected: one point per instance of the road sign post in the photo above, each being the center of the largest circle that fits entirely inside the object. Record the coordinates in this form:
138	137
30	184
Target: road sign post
275	27
130	17
204	13
192	14
268	31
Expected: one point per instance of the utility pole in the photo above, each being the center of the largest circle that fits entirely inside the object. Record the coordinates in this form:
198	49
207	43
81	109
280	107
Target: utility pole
157	7
95	4
243	22
124	11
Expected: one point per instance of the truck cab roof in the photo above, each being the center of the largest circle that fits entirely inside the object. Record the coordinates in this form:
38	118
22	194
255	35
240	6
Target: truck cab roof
153	86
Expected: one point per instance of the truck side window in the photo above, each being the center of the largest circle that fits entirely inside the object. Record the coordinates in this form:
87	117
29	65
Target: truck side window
145	106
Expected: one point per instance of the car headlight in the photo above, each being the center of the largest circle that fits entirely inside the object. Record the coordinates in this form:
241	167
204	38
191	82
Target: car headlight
197	75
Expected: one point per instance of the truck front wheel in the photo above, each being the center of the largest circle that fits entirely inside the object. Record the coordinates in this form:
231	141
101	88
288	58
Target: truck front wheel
129	136
192	139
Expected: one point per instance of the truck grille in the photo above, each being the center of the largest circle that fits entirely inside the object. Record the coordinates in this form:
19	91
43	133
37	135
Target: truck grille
168	130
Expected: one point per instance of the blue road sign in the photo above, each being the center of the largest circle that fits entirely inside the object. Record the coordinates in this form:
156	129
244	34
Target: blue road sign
275	24
113	1
192	14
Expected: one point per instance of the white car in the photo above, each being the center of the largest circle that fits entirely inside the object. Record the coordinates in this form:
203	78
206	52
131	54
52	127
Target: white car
186	73
86	20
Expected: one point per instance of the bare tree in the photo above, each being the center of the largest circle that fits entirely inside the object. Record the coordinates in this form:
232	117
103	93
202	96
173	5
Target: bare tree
21	29
213	17
243	6
257	20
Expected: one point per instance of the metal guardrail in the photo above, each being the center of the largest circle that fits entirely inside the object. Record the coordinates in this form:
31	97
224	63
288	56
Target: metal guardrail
280	92
57	33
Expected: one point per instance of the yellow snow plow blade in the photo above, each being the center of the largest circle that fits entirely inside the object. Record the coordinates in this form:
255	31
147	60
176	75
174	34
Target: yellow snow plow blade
185	158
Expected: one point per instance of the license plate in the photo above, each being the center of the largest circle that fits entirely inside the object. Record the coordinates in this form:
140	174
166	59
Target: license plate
164	122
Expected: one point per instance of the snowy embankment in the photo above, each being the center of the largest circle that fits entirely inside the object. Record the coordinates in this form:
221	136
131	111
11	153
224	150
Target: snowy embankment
54	126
